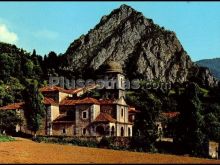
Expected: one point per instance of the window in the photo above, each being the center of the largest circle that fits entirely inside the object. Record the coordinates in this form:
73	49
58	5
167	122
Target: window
122	112
110	84
129	131
100	130
84	131
84	115
133	118
122	83
64	131
113	131
74	130
122	131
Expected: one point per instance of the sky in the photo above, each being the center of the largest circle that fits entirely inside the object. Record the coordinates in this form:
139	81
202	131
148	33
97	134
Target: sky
52	26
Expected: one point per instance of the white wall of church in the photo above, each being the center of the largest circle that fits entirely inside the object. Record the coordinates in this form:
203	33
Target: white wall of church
95	111
123	130
62	96
54	112
122	113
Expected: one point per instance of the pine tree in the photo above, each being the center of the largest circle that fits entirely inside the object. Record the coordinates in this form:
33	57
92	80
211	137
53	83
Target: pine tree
145	127
34	108
190	131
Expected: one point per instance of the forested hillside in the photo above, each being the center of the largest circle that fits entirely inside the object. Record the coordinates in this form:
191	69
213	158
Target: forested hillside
18	66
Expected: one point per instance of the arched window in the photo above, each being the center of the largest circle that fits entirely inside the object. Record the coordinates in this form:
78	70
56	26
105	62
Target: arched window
129	131
122	112
122	83
64	131
84	114
100	130
110	84
113	131
133	117
122	131
84	131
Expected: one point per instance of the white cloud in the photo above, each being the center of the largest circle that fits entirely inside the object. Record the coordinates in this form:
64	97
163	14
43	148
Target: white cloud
46	34
6	35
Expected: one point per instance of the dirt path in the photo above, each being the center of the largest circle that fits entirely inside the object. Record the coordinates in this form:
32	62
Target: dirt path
27	151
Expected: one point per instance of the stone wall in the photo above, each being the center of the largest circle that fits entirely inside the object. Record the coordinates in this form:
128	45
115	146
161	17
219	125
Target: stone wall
110	109
213	149
83	123
65	108
58	129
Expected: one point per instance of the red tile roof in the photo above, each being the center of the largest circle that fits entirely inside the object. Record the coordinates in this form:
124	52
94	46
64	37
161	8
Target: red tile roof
170	114
13	106
104	117
49	101
60	89
75	91
63	118
87	100
106	101
68	102
132	110
51	89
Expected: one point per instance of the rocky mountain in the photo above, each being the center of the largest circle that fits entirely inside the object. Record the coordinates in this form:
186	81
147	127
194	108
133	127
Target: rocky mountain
143	48
212	64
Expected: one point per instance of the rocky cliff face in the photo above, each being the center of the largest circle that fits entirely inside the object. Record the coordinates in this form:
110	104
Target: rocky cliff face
143	48
212	64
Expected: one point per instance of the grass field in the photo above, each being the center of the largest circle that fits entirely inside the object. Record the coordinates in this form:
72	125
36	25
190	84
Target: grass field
4	138
27	151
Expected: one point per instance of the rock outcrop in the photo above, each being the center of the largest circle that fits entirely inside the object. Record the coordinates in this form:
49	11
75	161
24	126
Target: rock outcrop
212	64
143	48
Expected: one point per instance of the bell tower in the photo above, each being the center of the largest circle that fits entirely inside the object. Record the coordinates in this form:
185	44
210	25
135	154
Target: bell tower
115	81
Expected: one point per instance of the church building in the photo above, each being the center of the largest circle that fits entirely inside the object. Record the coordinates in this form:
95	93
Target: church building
70	114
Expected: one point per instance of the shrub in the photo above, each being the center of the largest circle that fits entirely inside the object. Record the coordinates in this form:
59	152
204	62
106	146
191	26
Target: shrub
105	143
65	140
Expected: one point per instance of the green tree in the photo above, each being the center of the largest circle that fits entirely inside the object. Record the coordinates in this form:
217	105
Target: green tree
34	54
190	131
14	88
145	127
6	66
2	94
34	108
28	68
213	126
8	121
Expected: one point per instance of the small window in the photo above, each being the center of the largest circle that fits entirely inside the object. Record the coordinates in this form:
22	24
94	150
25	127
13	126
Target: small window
122	112
110	84
122	83
113	131
129	132
74	131
84	131
133	118
122	131
64	131
85	115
